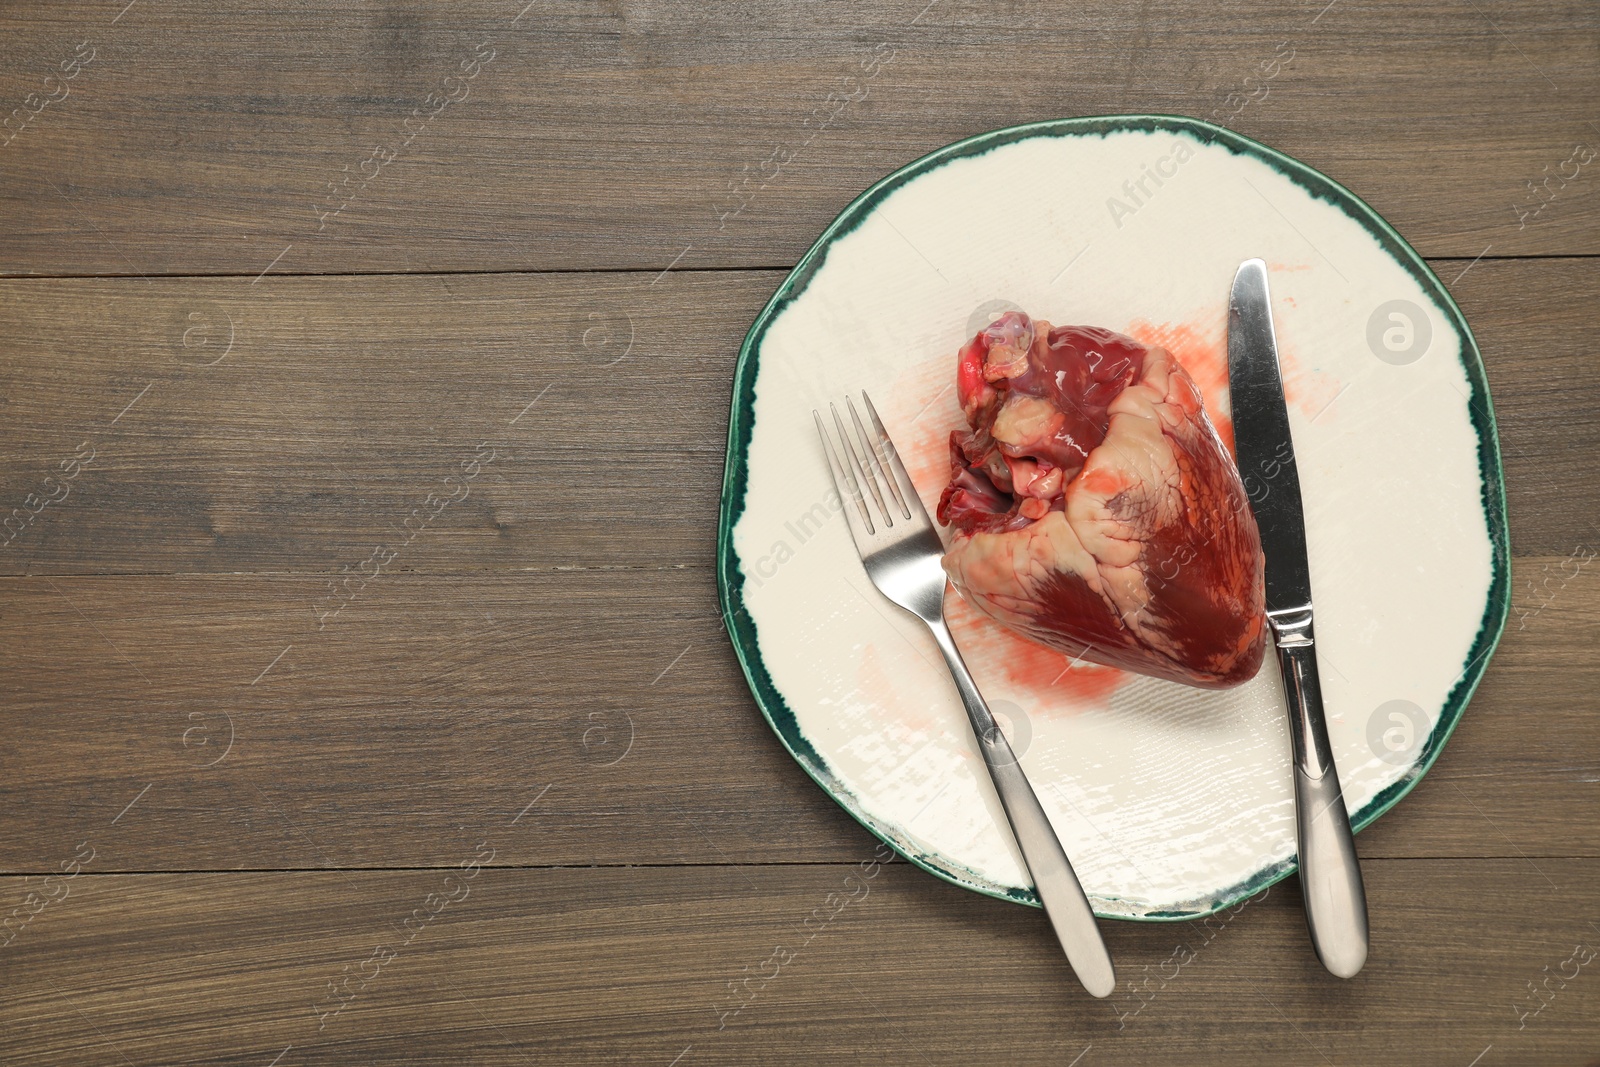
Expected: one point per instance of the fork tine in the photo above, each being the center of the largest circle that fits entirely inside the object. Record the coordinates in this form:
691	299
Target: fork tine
846	487
880	464
897	470
861	468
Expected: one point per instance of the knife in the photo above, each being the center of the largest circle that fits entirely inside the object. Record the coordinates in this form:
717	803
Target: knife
1330	879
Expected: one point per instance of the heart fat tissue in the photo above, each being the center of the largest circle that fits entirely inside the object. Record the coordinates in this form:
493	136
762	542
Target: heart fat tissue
1093	508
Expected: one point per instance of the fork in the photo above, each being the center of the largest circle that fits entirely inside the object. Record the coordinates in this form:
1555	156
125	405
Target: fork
901	552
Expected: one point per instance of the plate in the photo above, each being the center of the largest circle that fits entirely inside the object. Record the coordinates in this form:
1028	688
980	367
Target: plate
1173	802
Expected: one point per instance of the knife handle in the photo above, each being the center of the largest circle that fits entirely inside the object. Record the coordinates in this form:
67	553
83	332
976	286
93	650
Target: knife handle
1330	876
1060	892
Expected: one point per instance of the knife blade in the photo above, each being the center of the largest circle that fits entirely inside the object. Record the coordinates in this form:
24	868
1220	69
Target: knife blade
1262	440
1330	877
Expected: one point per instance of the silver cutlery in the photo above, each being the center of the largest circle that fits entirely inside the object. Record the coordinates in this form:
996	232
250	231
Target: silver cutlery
901	551
1330	878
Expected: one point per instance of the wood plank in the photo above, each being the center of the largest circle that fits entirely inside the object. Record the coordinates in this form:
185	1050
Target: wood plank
423	703
434	702
607	966
343	402
1534	349
600	136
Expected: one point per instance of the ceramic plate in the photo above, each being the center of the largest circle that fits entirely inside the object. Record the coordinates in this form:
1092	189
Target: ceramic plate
1173	802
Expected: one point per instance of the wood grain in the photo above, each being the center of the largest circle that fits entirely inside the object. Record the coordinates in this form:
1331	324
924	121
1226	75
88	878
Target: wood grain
202	137
341	403
559	266
609	966
433	702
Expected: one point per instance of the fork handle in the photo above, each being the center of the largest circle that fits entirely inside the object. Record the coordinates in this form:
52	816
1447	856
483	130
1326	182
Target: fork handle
1053	877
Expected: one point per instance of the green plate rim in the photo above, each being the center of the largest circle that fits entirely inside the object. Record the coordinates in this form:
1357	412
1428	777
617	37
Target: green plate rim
741	629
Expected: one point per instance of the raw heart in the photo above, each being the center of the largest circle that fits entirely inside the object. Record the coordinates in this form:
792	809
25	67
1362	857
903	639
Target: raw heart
1094	509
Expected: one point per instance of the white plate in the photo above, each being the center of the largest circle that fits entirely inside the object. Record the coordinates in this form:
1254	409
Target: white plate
1173	802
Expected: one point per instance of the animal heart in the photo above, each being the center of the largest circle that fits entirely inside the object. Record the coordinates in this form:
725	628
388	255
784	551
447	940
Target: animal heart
1093	508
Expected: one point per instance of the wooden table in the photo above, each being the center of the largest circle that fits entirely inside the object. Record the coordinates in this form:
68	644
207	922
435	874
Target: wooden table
364	692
